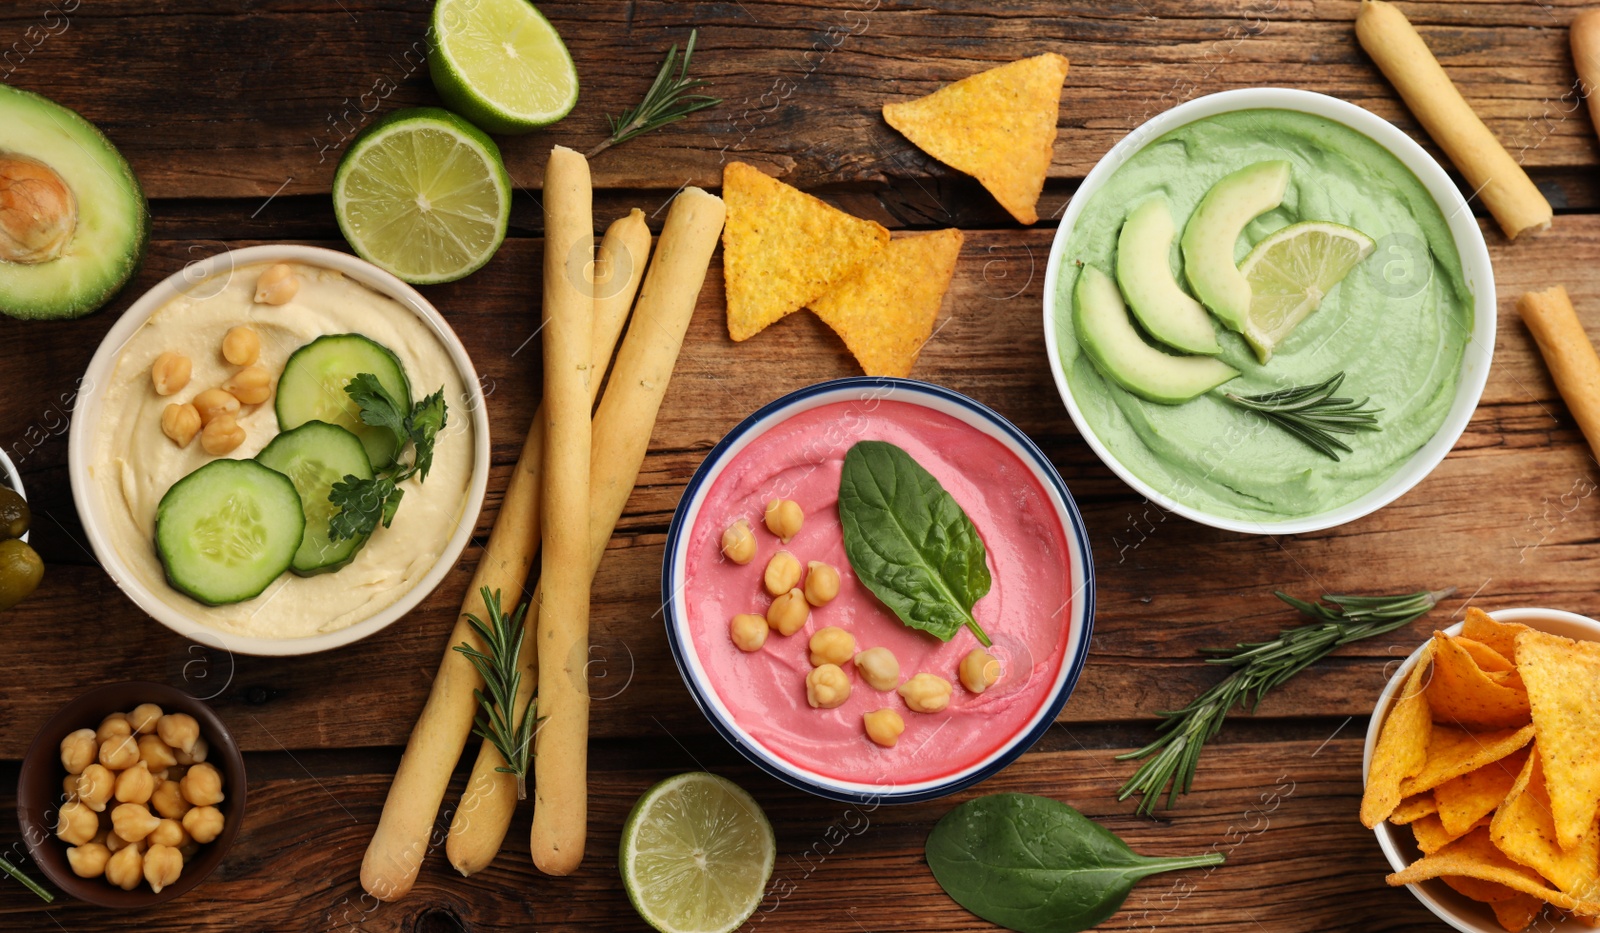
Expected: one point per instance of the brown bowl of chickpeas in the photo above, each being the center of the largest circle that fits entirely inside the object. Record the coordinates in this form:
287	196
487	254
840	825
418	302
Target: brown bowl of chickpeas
131	795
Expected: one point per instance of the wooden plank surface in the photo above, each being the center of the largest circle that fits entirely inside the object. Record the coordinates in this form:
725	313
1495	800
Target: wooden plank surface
234	116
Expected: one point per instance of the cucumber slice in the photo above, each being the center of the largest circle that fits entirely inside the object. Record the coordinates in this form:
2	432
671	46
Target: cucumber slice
312	389
315	456
227	530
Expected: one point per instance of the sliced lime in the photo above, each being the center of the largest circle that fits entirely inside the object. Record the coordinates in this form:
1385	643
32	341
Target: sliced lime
423	194
1291	272
500	64
696	855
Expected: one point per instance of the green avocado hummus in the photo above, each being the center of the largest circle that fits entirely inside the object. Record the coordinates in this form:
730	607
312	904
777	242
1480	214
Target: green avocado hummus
1397	325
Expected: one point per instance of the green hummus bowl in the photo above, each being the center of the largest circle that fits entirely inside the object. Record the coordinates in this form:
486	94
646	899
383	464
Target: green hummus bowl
1411	326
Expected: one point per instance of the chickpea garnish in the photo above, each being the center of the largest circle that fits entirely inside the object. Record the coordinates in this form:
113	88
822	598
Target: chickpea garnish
115	843
202	785
926	693
76	824
883	726
979	670
69	787
738	544
113	726
879	668
822	583
241	346
180	423
135	785
78	750
222	436
749	632
119	752
277	285
831	645
193	756
125	868
784	518
162	866
179	730
144	717
788	613
827	686
156	753
95	786
88	860
215	403
203	824
170	372
168	800
133	821
169	832
782	573
251	385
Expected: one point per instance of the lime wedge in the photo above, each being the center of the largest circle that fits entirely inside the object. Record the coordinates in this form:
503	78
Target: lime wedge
696	855
500	64
1291	272
423	194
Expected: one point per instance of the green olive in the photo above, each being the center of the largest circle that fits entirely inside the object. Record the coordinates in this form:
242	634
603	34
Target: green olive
14	514
20	571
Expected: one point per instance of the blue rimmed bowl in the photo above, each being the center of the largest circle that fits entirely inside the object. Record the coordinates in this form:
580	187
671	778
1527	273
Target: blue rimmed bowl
869	392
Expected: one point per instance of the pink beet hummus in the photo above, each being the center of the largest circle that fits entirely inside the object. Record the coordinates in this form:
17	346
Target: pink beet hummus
1025	613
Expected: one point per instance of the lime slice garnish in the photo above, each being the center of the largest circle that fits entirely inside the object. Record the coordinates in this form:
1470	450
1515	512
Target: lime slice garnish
423	194
696	855
1291	272
500	64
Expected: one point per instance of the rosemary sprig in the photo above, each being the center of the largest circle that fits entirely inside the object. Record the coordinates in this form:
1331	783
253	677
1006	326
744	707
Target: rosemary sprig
503	636
1259	667
25	881
667	101
1312	414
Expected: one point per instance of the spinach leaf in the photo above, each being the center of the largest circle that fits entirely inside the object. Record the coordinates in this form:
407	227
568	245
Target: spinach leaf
909	541
1034	865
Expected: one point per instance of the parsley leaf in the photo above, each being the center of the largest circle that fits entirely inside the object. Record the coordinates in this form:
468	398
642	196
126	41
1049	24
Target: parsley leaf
362	503
378	408
427	419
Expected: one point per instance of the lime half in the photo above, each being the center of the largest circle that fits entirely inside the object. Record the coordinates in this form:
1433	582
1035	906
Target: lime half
1291	272
500	64
424	195
696	855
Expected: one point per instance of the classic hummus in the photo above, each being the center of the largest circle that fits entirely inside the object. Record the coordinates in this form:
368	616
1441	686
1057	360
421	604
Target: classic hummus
134	463
1396	326
1026	612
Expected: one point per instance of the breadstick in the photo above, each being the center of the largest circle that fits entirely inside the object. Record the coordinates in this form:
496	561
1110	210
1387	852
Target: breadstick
481	820
1494	175
1585	34
1569	355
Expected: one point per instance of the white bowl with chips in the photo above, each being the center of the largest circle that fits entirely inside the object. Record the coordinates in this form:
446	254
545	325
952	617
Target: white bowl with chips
1454	908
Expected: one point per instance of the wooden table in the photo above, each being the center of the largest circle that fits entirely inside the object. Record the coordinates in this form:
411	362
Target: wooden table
234	116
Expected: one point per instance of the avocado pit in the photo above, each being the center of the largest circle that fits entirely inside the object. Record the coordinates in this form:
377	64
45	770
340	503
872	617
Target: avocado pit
38	213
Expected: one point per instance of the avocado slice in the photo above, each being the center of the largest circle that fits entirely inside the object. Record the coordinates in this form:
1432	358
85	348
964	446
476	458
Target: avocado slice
1144	273
73	219
1213	230
1104	331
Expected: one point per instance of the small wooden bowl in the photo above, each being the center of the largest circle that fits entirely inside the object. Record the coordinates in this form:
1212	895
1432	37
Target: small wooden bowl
39	791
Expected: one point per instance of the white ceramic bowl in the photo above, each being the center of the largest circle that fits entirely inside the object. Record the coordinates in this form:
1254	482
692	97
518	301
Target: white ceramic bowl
10	477
86	417
1398	847
1463	228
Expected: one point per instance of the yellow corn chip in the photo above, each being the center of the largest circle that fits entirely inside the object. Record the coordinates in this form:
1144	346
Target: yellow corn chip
1500	636
1475	856
783	248
1563	679
1431	835
1488	892
1453	752
885	312
1465	800
999	126
1517	913
1461	693
1402	748
1523	829
1414	808
1489	660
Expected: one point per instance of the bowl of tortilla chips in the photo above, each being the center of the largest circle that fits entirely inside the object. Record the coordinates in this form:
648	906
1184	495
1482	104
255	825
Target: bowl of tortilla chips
1482	772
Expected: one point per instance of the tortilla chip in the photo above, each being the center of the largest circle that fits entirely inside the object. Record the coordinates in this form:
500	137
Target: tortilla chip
1402	748
783	248
999	126
1475	856
1524	830
1465	800
1453	752
1500	636
1563	678
1415	808
1489	660
1517	913
1461	693
885	312
1487	892
1431	835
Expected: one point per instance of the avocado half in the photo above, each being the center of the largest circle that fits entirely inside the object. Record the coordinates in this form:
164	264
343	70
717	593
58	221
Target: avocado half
73	220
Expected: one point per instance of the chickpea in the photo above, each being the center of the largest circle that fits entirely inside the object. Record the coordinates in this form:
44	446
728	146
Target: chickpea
193	756
831	645
926	693
135	785
214	403
782	574
788	613
784	518
277	285
883	726
156	753
69	788
222	436
202	786
738	544
133	821
251	385
169	832
180	423
179	730
879	668
979	670
88	860
113	726
76	824
116	843
827	686
203	824
749	632
144	717
162	866
78	750
168	800
241	346
95	786
125	868
170	372
119	753
822	583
